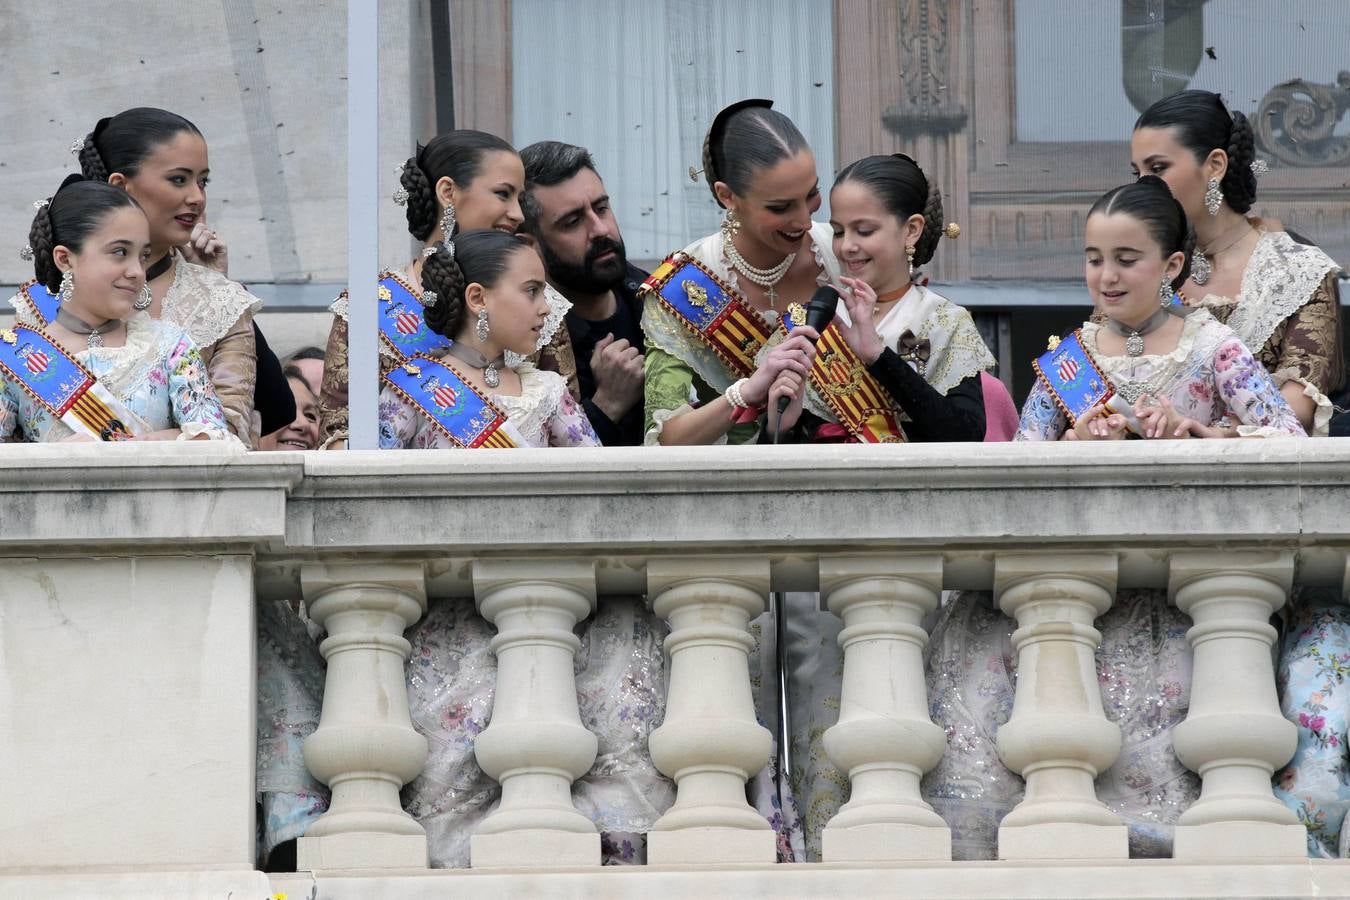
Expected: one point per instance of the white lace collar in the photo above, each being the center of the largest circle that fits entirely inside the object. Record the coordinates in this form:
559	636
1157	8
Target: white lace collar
1281	276
205	303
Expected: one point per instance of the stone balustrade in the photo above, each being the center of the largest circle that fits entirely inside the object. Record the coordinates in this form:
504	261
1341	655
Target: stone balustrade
126	653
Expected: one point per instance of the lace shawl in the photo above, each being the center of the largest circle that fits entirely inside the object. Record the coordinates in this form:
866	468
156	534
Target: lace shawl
1281	276
205	303
956	349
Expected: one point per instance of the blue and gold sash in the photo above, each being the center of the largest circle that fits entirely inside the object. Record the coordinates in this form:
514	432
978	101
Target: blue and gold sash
41	302
1072	376
457	409
402	327
69	391
860	402
709	308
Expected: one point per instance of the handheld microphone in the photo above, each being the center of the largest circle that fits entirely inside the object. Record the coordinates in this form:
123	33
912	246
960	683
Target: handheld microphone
819	314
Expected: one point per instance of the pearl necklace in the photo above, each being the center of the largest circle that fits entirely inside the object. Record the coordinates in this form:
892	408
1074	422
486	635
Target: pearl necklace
765	278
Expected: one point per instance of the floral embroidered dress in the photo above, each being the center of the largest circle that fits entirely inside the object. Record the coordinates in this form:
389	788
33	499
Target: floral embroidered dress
1144	661
157	374
620	672
545	414
217	314
554	355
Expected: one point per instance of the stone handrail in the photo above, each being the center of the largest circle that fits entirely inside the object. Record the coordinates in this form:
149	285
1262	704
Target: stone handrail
134	567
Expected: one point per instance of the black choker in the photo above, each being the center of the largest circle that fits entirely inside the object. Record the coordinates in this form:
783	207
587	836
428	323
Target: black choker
158	267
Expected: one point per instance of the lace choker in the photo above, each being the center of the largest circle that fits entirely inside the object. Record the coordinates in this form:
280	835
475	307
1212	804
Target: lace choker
1134	337
491	367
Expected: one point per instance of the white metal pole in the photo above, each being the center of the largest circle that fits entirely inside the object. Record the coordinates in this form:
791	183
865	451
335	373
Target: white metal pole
362	221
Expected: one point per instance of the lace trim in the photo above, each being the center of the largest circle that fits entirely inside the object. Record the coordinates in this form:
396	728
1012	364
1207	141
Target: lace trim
956	348
190	430
130	365
540	394
1323	409
1281	276
558	307
1201	335
205	303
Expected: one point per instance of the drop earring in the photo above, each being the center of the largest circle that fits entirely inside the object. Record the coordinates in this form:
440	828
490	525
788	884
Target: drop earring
1213	197
482	329
448	222
144	300
730	225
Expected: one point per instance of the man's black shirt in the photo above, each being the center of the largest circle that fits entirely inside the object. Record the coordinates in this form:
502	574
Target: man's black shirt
625	324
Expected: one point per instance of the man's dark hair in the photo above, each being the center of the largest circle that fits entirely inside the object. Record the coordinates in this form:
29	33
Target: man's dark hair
548	163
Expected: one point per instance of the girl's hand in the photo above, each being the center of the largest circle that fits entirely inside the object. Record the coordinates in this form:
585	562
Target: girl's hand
1098	425
793	355
76	439
1157	419
861	333
787	384
205	248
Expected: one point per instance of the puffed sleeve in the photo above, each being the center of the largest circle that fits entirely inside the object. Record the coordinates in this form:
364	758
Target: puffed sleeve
333	392
1250	394
569	427
233	369
1309	351
197	409
1041	419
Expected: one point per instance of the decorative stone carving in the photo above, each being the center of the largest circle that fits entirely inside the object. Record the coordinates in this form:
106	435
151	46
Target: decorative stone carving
1296	119
927	106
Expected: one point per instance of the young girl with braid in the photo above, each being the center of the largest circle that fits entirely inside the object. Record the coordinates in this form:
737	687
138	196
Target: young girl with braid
487	297
89	245
458	182
160	159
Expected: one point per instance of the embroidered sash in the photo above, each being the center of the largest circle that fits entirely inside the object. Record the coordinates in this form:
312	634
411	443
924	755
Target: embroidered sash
709	308
856	398
457	409
402	328
1072	377
64	387
41	302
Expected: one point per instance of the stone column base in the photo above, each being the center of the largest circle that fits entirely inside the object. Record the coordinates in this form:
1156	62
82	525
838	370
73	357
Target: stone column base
885	842
1065	840
711	846
362	850
1240	840
534	848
